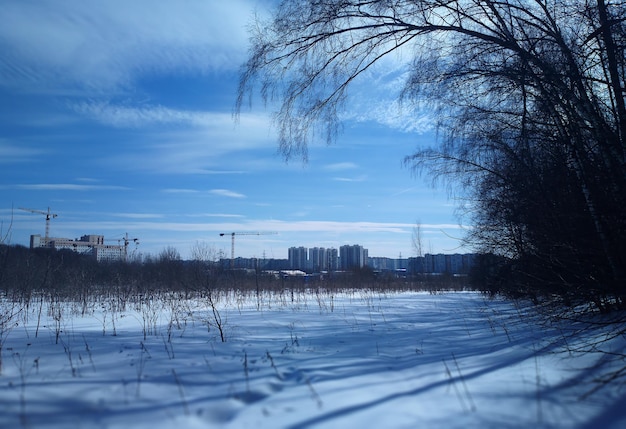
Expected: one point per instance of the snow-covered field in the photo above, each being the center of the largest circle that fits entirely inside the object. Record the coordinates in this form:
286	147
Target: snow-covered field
346	360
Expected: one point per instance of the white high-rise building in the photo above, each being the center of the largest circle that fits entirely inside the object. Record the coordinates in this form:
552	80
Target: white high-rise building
318	259
354	256
298	259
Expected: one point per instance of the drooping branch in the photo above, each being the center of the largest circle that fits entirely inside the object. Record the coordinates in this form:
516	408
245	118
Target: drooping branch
529	98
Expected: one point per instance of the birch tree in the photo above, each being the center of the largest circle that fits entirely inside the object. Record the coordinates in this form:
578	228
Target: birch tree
529	101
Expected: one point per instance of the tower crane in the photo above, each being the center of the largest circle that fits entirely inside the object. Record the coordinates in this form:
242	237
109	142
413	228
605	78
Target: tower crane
126	242
49	215
232	242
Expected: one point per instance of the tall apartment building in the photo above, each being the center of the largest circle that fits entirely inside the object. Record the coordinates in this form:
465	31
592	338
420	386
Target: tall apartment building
333	259
442	263
323	259
354	256
387	264
315	259
436	263
318	259
298	258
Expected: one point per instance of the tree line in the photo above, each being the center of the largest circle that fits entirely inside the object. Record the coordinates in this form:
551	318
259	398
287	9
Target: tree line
70	274
66	274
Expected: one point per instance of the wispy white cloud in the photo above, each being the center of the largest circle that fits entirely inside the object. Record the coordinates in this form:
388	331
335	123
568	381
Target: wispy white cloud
10	153
105	44
403	191
226	193
87	180
409	119
144	116
220	124
375	97
218	215
179	191
334	227
207	147
361	178
138	215
269	225
341	166
66	187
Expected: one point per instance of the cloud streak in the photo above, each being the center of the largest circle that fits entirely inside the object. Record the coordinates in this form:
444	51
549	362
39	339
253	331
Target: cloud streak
339	166
66	187
226	193
120	116
10	153
200	143
279	226
101	45
361	178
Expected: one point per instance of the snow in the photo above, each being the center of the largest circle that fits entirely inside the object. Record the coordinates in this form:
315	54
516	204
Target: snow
302	360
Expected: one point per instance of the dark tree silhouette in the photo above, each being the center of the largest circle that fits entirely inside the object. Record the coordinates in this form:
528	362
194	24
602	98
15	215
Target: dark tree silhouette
529	96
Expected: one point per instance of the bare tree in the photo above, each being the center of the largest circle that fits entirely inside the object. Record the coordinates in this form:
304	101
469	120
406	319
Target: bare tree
529	97
169	254
202	251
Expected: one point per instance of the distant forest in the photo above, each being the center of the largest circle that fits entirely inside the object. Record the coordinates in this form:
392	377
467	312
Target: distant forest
71	275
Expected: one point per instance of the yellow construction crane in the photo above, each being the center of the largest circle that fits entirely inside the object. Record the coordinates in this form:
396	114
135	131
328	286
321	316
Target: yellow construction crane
49	215
232	242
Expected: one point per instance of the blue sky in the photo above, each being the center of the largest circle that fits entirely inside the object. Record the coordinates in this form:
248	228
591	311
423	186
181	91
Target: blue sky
118	116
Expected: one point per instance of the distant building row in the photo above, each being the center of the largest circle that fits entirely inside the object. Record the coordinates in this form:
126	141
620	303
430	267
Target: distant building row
442	263
92	245
318	259
332	261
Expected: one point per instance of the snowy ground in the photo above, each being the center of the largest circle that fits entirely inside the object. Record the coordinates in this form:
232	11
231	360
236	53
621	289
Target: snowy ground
361	359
